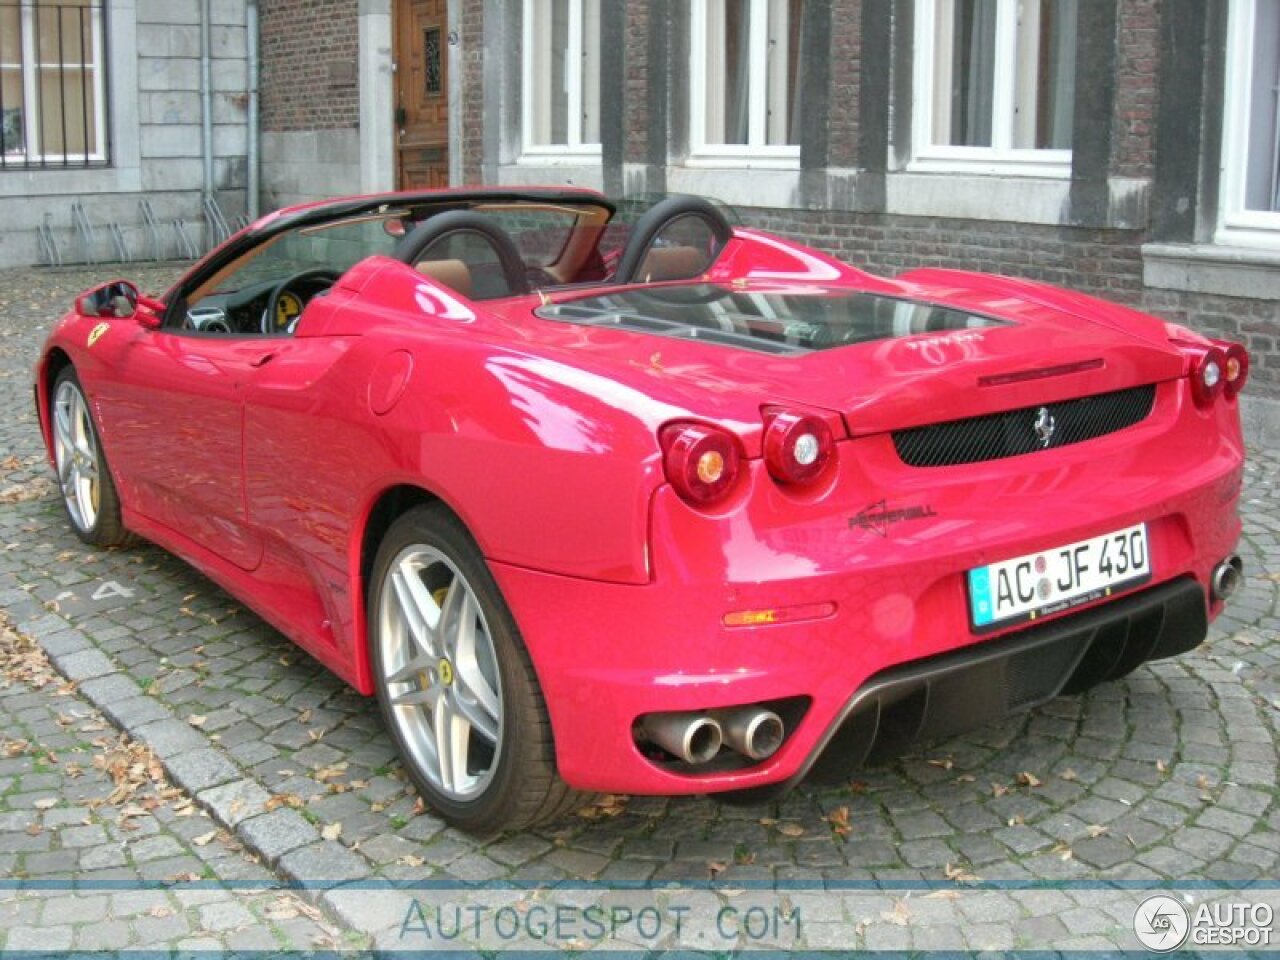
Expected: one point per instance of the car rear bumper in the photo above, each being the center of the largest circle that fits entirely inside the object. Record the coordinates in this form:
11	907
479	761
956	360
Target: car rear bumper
607	653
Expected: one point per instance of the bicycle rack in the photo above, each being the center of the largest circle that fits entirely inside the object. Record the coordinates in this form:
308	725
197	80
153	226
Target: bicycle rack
49	252
217	223
84	235
187	248
151	226
118	243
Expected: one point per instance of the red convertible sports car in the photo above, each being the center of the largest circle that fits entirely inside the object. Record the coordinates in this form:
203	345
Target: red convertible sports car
599	498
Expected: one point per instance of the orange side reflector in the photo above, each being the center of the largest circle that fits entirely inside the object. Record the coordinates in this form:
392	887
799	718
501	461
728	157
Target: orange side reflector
758	618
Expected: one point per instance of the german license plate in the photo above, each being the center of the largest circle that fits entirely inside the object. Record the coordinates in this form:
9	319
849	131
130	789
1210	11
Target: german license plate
1038	584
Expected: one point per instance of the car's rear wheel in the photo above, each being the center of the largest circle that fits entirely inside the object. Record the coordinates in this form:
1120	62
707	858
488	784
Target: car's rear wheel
88	493
456	685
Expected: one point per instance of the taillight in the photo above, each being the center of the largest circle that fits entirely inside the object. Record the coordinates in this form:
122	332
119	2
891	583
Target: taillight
1208	376
1236	371
797	446
702	462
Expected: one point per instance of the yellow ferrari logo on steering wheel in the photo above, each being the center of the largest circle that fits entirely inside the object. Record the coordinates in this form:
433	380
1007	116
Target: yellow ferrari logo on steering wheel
288	307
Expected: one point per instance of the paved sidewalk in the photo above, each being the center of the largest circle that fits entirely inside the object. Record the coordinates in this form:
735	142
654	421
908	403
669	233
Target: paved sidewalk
1169	774
81	802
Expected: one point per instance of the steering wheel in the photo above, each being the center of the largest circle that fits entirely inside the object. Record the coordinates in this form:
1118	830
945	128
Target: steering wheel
453	222
285	305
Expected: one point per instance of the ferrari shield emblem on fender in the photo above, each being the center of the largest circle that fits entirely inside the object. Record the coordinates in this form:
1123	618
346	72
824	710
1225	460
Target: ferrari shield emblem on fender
96	333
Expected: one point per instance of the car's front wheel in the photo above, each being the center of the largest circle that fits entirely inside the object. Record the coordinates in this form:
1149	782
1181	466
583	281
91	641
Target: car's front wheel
456	685
88	493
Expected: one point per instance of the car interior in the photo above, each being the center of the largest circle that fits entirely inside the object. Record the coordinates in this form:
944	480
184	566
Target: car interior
479	249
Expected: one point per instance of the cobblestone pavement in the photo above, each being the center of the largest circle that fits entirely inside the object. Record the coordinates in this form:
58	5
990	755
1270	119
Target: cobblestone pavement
1169	774
80	801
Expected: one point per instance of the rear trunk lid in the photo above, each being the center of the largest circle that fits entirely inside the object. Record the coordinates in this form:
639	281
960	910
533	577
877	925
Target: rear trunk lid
908	355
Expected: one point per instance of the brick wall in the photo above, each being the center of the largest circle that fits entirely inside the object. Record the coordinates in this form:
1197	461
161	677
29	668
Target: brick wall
309	50
846	62
473	53
636	81
1137	60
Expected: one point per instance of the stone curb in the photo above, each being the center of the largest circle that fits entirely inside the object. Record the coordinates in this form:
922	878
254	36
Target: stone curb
283	838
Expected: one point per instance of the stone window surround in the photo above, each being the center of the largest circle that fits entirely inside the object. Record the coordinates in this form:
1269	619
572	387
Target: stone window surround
124	173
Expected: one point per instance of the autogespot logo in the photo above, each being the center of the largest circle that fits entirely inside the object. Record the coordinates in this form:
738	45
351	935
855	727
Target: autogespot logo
1161	923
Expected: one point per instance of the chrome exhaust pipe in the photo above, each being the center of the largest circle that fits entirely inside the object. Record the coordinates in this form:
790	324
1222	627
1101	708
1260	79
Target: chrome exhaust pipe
693	737
1227	579
754	732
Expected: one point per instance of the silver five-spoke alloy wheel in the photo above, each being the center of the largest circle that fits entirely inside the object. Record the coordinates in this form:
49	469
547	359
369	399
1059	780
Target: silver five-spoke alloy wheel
440	670
76	455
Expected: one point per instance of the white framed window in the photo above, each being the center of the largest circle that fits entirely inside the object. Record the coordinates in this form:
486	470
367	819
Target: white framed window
561	62
52	84
994	85
1250	182
744	81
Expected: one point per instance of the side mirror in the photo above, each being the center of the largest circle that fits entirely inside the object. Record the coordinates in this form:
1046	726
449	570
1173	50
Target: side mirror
120	298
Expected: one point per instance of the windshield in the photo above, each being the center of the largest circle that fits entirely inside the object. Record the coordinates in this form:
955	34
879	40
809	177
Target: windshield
335	246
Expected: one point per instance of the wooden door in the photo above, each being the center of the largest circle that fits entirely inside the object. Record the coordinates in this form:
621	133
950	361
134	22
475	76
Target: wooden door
422	93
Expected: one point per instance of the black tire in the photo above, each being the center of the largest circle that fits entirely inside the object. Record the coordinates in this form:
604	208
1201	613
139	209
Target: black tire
106	527
523	786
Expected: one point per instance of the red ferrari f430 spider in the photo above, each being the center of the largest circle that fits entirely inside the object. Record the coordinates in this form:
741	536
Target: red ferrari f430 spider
595	497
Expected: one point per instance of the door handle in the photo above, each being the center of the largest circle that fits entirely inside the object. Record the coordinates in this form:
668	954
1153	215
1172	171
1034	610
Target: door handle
262	361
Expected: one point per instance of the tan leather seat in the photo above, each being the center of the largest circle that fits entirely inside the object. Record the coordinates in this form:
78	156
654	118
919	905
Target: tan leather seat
453	274
672	263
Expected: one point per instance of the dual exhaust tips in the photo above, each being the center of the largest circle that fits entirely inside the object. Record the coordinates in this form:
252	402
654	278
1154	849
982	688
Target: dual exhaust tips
754	732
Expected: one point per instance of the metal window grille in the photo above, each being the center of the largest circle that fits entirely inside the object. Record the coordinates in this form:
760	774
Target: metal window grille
53	84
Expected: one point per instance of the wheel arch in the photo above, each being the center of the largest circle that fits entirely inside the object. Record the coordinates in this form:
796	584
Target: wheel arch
51	365
384	509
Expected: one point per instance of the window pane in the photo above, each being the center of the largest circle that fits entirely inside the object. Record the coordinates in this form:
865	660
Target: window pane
1262	175
966	32
550	80
1045	75
66	117
782	122
12	134
728	70
10	38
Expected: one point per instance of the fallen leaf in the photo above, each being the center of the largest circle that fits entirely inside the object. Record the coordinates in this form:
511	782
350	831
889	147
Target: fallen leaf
331	831
1068	775
790	829
1028	779
46	803
839	820
1017	820
1162	766
409	860
998	790
204	839
196	720
716	867
160	910
945	764
278	800
899	916
966	778
960	874
1063	851
1097	830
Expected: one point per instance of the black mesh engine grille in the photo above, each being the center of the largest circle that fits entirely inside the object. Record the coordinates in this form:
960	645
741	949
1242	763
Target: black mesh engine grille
1016	432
